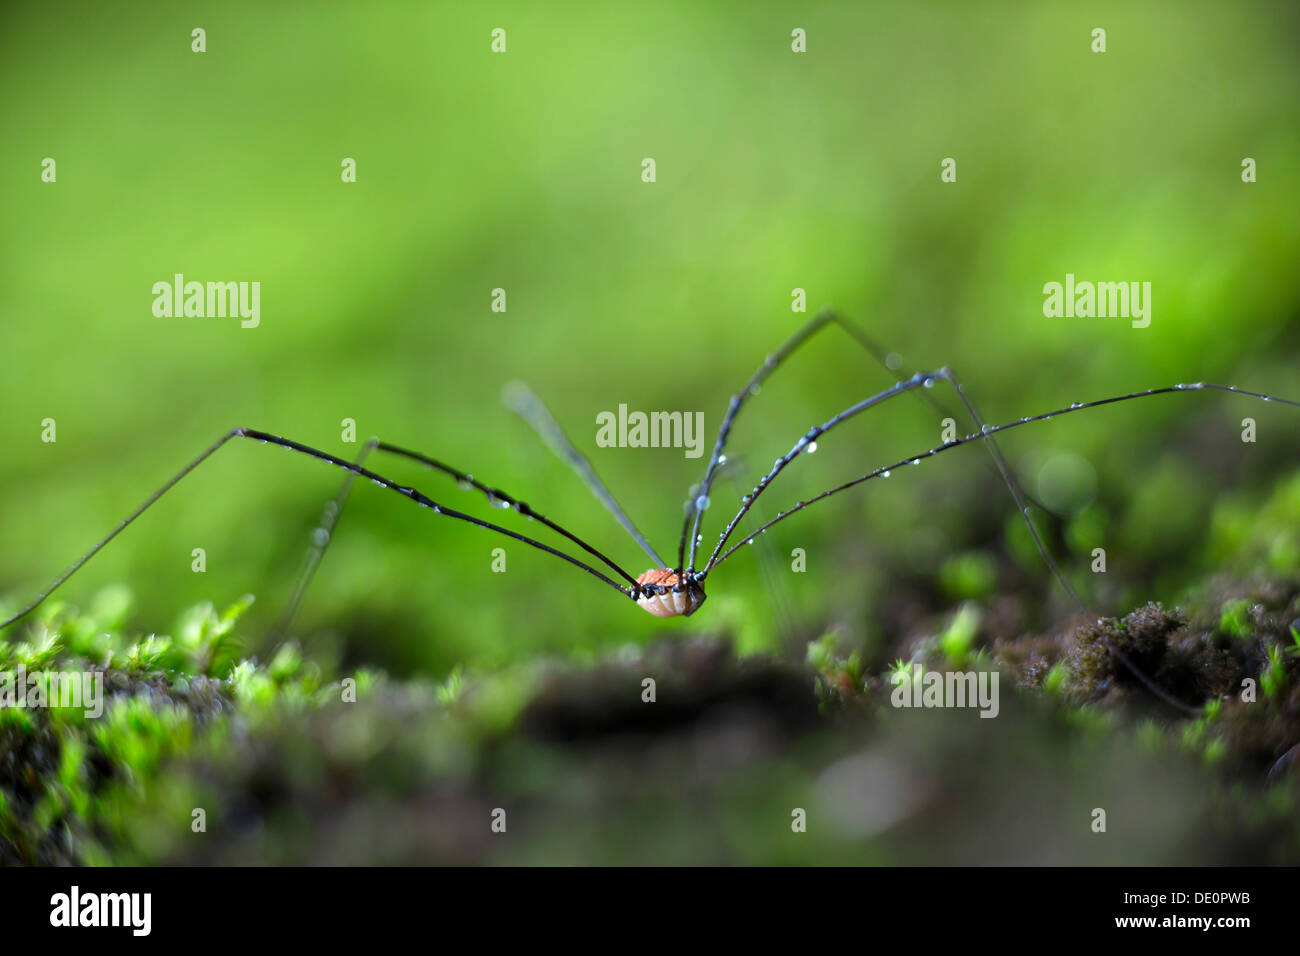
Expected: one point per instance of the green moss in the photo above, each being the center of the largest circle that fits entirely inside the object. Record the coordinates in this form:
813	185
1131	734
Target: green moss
1142	636
1273	681
1057	679
76	783
839	675
288	759
958	640
1234	618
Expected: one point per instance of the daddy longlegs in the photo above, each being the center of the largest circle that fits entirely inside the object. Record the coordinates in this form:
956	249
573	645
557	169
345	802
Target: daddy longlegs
679	590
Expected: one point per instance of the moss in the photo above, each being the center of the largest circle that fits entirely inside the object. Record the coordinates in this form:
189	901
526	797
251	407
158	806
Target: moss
1234	618
958	639
839	676
291	761
1143	636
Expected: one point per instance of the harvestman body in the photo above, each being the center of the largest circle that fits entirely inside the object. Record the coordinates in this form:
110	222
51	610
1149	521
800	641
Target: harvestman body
663	591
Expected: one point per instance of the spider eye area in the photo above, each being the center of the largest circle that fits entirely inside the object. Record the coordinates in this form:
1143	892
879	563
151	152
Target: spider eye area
664	594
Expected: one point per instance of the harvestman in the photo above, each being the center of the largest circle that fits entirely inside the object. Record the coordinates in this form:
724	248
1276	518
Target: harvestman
662	591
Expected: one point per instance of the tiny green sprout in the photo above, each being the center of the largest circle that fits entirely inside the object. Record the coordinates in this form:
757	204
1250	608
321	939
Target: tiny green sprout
1273	679
821	652
1213	710
1234	618
286	664
208	639
367	680
836	676
1193	734
1057	679
852	666
145	655
957	641
449	690
39	654
1294	649
252	687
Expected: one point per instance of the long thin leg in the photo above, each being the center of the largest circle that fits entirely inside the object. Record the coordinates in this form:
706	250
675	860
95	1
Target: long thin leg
521	400
691	524
919	380
495	496
405	491
499	499
999	461
121	526
1008	479
880	355
984	432
828	316
775	587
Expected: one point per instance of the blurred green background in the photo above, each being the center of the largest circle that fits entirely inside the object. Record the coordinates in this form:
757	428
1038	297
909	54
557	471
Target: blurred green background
522	170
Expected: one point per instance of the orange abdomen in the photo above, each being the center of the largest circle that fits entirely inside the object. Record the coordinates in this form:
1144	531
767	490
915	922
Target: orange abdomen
682	598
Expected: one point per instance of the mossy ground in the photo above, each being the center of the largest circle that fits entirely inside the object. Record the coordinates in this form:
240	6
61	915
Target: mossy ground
293	761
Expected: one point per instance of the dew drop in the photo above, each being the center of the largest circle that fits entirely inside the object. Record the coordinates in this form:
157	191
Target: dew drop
812	447
702	502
